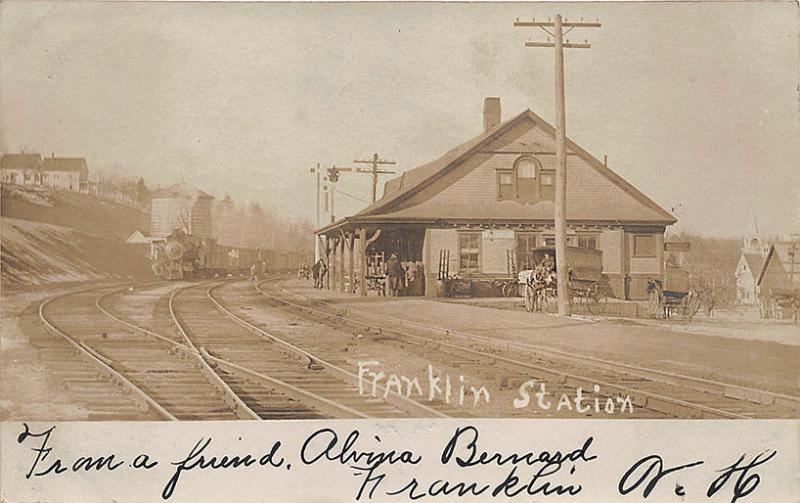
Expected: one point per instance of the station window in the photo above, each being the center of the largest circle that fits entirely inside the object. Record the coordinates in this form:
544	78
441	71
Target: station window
526	168
644	245
550	240
587	241
547	180
505	185
469	252
526	243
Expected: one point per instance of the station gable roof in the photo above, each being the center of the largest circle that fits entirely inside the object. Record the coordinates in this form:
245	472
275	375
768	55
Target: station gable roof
398	203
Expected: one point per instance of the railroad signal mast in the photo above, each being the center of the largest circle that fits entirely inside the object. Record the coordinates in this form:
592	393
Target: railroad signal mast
332	176
317	171
560	216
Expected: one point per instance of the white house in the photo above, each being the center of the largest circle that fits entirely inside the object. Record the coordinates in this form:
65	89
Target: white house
59	173
21	169
751	261
65	173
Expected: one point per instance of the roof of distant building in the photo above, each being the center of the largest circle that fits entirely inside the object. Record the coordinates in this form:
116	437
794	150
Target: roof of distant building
180	191
138	237
21	161
66	164
788	255
754	262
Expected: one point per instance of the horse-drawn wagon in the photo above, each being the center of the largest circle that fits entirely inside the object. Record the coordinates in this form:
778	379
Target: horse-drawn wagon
586	281
673	295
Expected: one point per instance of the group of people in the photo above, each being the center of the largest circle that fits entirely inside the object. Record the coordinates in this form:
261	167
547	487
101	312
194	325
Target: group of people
318	272
405	279
257	270
399	278
543	271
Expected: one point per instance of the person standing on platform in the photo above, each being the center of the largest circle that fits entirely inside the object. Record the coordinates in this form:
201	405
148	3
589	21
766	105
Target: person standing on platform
323	269
395	274
315	273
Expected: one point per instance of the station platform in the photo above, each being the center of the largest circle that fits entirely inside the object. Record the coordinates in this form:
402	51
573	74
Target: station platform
756	353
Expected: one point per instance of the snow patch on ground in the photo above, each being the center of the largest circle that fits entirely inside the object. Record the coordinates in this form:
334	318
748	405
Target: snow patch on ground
33	196
35	253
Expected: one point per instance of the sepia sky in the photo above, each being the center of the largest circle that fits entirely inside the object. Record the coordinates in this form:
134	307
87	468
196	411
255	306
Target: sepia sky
694	103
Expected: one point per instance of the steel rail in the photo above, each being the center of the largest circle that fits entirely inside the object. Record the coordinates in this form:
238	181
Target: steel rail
140	395
313	358
234	401
730	390
192	351
712	411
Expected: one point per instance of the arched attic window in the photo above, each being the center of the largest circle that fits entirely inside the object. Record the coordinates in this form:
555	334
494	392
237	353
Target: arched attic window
526	181
527	169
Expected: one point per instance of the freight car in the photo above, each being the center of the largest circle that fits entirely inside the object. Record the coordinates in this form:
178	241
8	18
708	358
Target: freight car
183	256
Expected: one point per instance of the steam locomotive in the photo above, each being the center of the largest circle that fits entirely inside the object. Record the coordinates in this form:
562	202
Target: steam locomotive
183	256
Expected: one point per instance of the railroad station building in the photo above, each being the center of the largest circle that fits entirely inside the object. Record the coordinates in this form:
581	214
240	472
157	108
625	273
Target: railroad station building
482	205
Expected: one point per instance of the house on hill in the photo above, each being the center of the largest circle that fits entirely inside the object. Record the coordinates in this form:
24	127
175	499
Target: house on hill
21	169
489	201
58	173
65	173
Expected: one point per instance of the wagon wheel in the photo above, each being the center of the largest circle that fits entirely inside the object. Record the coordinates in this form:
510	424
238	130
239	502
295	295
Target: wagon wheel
691	306
529	295
509	289
593	298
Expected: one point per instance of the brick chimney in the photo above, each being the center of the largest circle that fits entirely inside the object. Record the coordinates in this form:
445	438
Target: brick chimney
491	114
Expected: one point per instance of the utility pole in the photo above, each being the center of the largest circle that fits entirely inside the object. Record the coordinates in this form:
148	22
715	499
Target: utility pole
560	216
333	191
374	171
316	239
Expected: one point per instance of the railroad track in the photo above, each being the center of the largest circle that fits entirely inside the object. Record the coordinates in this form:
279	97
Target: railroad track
271	377
90	374
78	378
660	393
168	378
258	396
238	345
450	360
